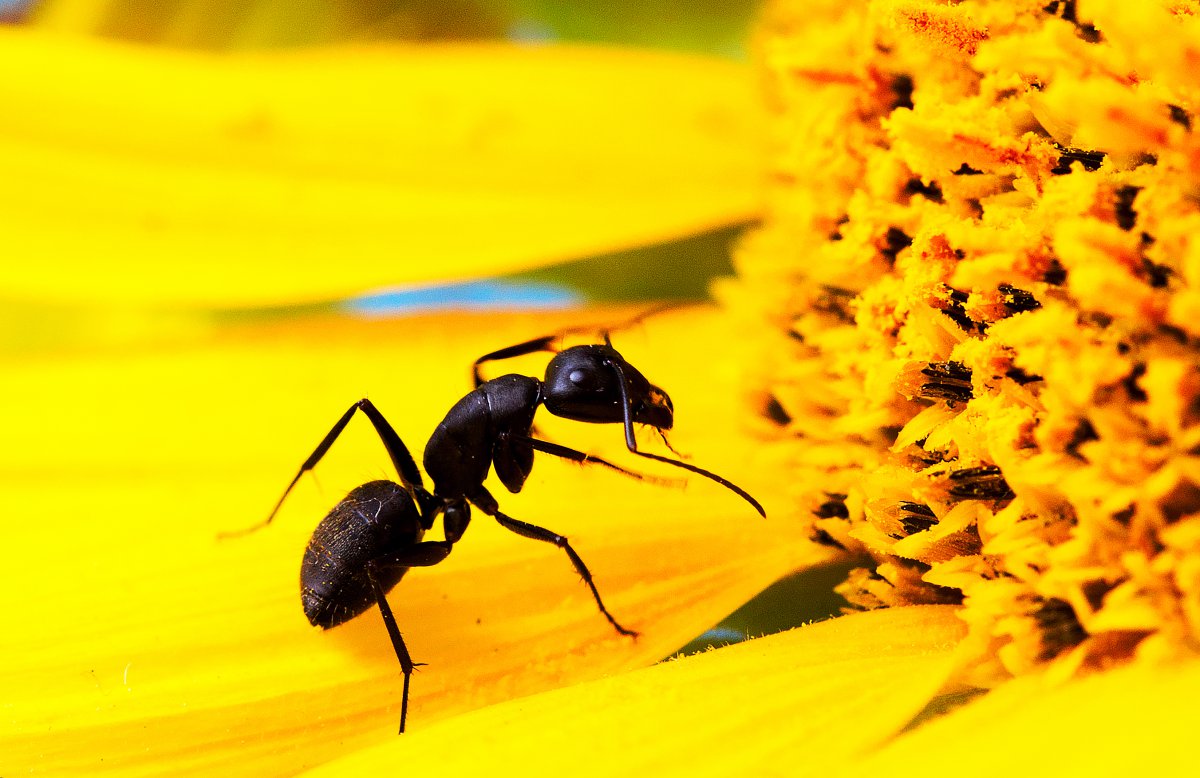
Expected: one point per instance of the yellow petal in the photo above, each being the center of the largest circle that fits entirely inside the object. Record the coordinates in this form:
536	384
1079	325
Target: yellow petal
150	175
259	398
1136	720
796	703
140	644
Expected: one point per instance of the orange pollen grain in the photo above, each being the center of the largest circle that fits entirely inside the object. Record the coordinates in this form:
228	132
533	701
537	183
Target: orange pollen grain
945	30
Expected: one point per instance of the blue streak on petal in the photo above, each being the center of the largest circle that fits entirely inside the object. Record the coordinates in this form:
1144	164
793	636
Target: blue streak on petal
720	634
485	295
531	31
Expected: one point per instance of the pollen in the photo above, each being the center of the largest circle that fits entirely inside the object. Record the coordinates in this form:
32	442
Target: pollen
978	295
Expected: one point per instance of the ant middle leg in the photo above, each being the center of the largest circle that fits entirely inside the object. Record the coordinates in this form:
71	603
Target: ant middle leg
487	504
389	621
424	554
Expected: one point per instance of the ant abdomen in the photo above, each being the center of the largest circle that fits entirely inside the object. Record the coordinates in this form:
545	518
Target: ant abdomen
334	583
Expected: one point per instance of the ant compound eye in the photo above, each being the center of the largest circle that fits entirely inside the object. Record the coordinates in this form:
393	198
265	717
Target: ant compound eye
578	377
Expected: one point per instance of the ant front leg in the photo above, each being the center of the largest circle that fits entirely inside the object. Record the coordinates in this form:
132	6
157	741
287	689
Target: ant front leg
488	505
554	449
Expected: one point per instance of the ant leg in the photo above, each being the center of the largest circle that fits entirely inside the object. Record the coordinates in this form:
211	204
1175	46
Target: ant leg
389	621
546	536
402	460
405	466
546	447
667	443
521	349
546	342
639	318
426	554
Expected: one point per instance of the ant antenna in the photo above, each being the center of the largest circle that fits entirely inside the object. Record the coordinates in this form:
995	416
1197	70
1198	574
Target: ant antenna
631	444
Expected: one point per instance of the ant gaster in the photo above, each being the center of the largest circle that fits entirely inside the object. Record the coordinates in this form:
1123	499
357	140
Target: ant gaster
371	538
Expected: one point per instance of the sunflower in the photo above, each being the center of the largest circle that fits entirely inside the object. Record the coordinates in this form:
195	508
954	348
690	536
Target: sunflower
959	350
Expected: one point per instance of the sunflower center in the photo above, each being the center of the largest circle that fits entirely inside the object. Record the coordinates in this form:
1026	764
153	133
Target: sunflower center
978	289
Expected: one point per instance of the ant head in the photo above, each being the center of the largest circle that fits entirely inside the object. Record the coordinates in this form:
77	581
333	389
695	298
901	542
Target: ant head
583	383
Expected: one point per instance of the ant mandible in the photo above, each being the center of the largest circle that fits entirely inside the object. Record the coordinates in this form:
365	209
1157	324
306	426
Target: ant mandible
371	538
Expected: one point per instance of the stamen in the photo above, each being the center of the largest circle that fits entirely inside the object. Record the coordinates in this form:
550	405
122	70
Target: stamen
979	483
833	508
1060	628
1091	160
1126	216
915	517
1018	300
948	381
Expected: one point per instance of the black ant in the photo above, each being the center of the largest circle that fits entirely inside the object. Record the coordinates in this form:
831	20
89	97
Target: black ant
371	538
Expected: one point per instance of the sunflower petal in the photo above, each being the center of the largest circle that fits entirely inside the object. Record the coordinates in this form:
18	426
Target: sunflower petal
164	177
796	703
153	647
1132	720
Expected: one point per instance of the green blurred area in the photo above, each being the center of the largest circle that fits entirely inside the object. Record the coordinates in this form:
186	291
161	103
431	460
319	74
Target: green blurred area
679	270
801	598
707	27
